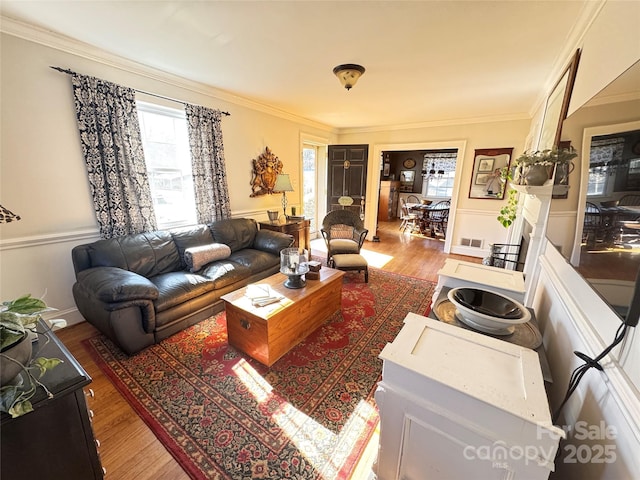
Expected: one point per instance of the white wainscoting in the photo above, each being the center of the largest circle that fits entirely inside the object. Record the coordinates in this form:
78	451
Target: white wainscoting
573	318
41	265
477	224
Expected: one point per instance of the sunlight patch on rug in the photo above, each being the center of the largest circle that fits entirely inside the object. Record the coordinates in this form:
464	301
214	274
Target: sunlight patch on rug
325	450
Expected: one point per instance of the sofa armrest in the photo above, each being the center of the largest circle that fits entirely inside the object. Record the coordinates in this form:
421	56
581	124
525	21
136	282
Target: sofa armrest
272	241
112	284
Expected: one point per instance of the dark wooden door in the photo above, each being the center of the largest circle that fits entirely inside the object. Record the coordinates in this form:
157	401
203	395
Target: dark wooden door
347	174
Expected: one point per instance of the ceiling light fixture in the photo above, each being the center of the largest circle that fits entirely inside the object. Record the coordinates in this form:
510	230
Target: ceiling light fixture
348	74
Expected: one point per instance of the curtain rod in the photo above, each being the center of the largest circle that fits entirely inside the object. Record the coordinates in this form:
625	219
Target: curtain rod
71	72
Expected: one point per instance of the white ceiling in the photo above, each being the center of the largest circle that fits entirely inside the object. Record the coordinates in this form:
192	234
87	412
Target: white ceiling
426	61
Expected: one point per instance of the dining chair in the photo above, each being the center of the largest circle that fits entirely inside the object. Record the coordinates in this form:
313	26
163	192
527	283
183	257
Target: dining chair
592	228
439	217
409	218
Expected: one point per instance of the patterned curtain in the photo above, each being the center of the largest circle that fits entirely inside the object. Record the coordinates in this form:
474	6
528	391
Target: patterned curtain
112	148
207	162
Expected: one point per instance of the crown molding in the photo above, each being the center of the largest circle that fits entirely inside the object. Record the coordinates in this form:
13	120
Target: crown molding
605	100
71	46
437	123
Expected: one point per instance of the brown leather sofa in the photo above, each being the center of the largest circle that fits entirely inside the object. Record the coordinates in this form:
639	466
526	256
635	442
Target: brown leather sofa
138	289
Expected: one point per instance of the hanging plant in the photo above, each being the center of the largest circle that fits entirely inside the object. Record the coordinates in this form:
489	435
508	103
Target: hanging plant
507	213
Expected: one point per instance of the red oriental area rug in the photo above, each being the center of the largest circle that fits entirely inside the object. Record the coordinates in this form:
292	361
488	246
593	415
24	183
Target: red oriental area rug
223	415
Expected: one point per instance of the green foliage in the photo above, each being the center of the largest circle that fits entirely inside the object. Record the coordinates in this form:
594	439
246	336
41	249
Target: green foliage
17	318
507	213
547	157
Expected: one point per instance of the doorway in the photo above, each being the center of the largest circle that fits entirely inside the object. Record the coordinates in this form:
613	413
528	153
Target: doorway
377	170
314	179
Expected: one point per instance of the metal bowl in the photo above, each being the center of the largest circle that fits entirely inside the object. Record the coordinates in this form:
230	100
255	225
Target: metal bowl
488	311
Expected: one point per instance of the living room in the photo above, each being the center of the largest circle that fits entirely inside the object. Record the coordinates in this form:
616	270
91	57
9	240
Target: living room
44	179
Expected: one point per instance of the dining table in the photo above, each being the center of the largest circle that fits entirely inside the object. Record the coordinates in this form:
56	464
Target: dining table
618	224
426	214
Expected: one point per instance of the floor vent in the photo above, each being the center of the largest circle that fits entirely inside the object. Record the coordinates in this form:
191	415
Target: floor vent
471	242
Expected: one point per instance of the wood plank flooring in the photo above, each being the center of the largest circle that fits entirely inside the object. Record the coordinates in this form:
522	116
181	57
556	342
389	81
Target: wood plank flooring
128	448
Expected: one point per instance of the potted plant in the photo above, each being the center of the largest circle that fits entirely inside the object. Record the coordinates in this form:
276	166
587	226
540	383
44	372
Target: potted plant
17	319
534	168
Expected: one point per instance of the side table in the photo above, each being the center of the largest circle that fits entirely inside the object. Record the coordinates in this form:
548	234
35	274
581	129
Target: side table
55	441
299	229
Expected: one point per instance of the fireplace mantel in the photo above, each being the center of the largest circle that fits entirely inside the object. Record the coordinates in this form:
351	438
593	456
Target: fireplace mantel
532	220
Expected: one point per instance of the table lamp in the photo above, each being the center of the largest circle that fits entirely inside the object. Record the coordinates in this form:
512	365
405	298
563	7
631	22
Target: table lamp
283	184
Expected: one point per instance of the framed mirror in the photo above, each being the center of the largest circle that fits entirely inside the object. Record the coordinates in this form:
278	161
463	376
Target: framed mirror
486	179
602	246
407	178
557	106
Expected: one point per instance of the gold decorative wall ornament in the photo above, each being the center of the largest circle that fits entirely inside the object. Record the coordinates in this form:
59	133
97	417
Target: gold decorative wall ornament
265	171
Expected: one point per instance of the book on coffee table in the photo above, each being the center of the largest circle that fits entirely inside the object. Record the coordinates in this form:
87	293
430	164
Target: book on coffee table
262	294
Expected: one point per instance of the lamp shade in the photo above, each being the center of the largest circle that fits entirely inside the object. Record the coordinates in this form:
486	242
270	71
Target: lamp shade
7	216
348	74
283	183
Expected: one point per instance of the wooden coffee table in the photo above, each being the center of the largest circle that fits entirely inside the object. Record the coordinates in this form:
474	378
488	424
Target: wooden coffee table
267	333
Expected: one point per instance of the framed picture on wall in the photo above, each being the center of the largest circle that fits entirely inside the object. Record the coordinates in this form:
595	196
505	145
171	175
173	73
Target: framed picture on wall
486	180
482	178
485	165
386	170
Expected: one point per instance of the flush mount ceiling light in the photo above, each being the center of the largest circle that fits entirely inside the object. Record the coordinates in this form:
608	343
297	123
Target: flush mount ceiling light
348	74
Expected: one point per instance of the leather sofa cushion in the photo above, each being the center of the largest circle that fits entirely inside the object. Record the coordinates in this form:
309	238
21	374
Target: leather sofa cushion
223	273
198	257
272	242
190	237
175	288
147	254
255	260
238	233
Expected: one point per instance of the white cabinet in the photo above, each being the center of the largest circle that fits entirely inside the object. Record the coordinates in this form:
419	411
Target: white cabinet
456	404
458	273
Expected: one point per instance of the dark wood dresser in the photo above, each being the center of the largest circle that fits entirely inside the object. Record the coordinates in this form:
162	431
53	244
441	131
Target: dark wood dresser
299	229
55	441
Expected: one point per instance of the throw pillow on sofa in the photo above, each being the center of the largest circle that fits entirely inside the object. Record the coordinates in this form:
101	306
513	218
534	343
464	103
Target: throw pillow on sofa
198	257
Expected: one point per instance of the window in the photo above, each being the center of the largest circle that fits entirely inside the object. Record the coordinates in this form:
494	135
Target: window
441	186
441	168
166	150
597	181
309	180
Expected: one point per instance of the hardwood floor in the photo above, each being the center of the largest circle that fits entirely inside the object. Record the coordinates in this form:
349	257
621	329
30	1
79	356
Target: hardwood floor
129	450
